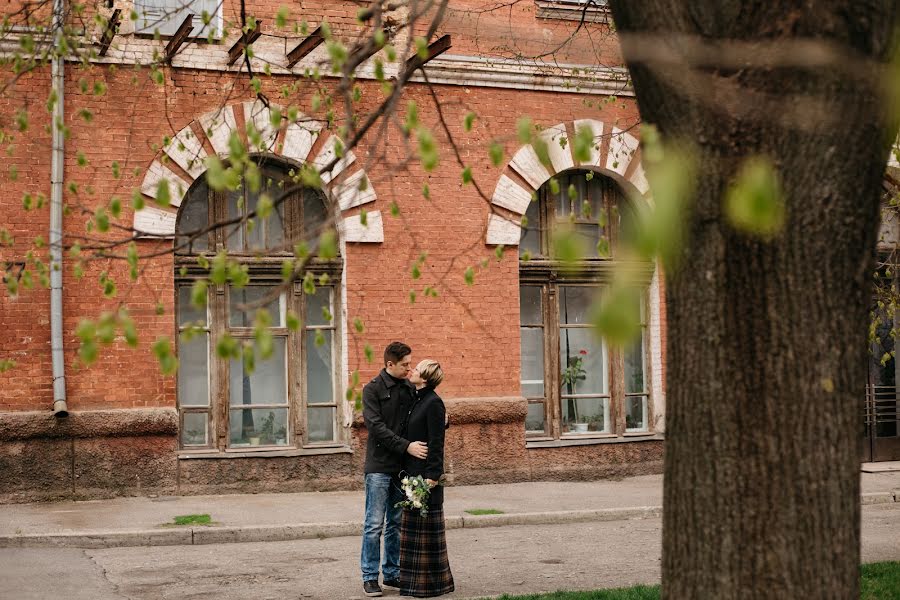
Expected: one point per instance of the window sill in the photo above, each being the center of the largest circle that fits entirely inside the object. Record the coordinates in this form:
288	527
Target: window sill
288	452
590	441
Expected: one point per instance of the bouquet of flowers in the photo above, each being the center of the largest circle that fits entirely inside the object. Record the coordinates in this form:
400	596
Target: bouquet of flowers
416	490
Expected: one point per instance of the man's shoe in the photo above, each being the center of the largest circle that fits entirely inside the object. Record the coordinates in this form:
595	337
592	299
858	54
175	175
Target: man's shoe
371	589
391	583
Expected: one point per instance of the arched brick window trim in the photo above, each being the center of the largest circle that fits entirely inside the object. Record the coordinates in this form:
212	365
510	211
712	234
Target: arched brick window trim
616	155
293	142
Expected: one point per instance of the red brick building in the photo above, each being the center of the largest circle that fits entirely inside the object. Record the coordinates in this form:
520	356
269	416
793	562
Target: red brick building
531	394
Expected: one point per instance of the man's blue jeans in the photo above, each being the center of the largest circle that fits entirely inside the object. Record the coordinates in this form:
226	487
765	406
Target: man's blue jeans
381	496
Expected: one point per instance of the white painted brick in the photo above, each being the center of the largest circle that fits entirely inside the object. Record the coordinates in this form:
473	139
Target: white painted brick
299	139
658	395
155	221
560	157
511	195
178	187
259	114
352	229
190	157
527	164
621	148
218	125
639	179
327	154
596	128
501	230
348	193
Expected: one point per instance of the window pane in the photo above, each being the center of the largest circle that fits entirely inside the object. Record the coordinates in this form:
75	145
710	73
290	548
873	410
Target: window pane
256	239
258	427
321	424
583	363
235	239
634	367
187	312
636	413
315	303
575	304
314	215
532	362
534	420
588	235
194	429
266	385
583	415
253	294
530	312
319	388
193	371
531	235
195	217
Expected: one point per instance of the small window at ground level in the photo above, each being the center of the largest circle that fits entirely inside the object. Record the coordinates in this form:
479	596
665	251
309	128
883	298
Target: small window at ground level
166	16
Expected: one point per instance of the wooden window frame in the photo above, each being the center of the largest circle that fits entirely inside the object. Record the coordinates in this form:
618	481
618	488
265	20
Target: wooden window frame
550	275
265	268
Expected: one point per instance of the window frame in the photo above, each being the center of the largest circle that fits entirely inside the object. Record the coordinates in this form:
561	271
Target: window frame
597	273
265	269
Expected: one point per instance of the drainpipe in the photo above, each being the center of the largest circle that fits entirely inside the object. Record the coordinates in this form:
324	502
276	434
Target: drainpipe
56	193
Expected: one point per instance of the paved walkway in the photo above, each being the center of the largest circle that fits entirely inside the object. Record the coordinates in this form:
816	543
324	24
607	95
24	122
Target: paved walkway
277	517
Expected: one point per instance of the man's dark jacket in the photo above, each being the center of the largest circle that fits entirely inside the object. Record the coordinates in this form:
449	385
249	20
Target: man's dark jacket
386	404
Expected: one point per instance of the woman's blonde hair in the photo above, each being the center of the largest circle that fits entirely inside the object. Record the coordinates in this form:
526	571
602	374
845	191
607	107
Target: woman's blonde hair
430	371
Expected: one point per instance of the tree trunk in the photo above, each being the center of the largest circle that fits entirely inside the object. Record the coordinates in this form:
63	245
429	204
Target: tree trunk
767	339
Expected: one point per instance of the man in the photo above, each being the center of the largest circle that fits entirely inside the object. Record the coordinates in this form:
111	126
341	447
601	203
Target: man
386	403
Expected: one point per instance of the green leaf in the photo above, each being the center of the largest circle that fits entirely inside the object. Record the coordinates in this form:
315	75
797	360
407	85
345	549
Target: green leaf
496	153
370	355
227	347
115	207
469	276
754	203
292	321
467	175
428	150
358	325
281	17
524	129
568	247
162	193
584	143
199	294
416	273
469	121
162	349
101	219
426	191
328	245
618	316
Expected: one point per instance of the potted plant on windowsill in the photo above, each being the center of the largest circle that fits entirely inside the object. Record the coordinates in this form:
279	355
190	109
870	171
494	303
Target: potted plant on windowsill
570	376
267	431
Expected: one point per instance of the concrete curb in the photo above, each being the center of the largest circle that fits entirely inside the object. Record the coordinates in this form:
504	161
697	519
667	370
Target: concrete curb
279	533
189	536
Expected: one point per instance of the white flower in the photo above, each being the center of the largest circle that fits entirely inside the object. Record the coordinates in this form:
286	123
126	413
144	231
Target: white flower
417	503
405	481
410	494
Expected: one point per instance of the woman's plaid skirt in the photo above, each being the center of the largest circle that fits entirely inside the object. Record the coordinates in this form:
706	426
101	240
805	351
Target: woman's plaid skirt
424	566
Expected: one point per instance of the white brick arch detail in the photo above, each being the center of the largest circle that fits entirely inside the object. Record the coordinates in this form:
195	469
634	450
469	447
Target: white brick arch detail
187	150
615	163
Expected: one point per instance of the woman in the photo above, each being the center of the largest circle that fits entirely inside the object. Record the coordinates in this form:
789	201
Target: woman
424	566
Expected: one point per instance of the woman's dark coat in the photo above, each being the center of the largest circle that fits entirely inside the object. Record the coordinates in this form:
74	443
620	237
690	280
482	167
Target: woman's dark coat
426	423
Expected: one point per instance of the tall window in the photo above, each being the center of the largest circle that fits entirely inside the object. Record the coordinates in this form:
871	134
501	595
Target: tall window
290	398
576	384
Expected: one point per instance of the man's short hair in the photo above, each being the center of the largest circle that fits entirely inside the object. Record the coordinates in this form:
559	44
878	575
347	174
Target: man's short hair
430	372
395	352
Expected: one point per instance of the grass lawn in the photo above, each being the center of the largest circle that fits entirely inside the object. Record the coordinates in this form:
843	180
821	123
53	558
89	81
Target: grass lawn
880	581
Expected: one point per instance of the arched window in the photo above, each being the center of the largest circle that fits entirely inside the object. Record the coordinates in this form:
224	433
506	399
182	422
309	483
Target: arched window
290	399
577	385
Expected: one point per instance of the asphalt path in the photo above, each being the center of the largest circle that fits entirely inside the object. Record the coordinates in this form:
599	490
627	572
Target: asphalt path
485	562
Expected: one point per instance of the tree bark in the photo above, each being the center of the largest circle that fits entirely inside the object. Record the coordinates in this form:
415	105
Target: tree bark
767	338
